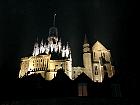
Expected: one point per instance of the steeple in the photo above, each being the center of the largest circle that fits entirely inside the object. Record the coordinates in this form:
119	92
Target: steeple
54	20
87	58
53	30
85	40
86	47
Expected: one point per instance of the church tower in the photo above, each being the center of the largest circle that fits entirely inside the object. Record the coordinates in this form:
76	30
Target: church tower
53	37
87	58
101	62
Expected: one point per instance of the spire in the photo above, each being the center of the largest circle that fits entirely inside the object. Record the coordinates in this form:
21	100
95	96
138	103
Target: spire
54	19
53	32
85	40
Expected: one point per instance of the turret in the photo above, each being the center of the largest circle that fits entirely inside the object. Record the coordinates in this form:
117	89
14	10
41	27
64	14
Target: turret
87	58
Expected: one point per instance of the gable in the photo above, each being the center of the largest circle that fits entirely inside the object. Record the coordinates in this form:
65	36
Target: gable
98	46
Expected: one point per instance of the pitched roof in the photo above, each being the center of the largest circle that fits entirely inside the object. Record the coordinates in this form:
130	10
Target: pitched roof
98	46
83	78
61	76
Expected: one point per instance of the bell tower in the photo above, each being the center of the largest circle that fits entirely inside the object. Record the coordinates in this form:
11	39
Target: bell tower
87	58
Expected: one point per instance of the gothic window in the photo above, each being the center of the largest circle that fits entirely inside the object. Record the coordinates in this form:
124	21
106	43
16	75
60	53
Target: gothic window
104	55
41	60
96	70
101	54
95	67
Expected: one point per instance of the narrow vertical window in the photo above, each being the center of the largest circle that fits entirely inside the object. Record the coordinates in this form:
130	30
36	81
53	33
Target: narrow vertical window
104	55
94	54
96	71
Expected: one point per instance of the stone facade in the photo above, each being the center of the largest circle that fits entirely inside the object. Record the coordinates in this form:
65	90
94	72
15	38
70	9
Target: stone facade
48	57
97	62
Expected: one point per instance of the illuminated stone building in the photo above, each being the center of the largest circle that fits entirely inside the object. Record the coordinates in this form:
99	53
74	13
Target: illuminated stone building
50	56
97	61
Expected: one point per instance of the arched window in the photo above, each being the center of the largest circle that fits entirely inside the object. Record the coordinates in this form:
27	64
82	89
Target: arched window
104	55
96	70
95	67
101	54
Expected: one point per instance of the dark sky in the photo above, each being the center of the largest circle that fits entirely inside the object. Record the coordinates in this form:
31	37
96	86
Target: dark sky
112	22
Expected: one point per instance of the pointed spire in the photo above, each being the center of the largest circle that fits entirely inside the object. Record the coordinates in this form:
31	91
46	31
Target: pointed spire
85	40
53	30
54	19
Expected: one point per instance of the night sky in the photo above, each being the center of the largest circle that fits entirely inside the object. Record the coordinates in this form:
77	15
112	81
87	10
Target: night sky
112	22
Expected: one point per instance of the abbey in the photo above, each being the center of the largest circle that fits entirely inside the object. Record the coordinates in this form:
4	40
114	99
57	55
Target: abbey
50	56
